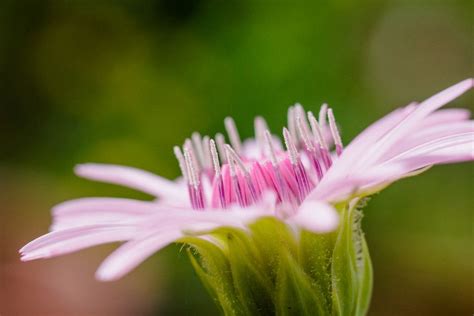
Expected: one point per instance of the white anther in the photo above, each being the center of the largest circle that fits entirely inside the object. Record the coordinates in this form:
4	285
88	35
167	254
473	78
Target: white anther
233	133
334	131
215	158
190	164
316	131
181	162
230	161
220	141
235	157
315	128
271	148
304	133
290	146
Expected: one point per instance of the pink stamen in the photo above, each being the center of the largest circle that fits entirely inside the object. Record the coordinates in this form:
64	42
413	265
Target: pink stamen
310	149
319	140
300	173
194	184
217	173
279	185
313	158
245	171
242	179
235	180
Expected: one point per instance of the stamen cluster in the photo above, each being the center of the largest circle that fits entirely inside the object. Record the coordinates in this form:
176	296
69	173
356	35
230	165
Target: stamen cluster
237	177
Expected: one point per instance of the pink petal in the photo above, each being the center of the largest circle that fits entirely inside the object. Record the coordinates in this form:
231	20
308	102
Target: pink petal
317	217
415	165
379	177
410	122
378	129
342	188
428	135
105	205
133	178
365	140
445	116
381	137
61	242
83	212
190	219
465	139
461	153
168	229
132	253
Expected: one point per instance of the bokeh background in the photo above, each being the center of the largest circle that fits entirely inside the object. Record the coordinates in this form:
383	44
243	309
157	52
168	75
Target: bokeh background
123	81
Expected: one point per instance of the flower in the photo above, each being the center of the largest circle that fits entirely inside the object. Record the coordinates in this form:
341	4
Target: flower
301	183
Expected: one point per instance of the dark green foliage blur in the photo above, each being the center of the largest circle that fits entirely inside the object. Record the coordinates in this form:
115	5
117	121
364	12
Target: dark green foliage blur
123	81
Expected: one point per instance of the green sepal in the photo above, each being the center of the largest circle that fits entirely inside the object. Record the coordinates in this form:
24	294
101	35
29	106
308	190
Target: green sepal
269	268
296	293
365	281
272	238
343	269
213	269
351	267
315	258
252	284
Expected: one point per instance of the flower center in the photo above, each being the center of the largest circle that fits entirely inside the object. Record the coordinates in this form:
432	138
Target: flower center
240	174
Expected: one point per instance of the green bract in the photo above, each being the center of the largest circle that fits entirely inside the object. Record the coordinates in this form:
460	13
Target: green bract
270	269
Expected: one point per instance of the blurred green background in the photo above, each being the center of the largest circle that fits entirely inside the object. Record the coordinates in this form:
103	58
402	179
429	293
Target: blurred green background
123	81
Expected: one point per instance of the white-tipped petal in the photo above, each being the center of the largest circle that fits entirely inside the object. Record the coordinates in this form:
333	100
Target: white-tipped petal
317	217
131	177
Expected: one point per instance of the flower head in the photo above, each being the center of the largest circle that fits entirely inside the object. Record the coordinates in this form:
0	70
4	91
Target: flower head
300	181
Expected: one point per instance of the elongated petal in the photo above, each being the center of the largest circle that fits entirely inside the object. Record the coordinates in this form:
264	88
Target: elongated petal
377	130
415	165
61	242
407	124
429	134
132	253
466	139
379	177
317	217
133	178
445	116
451	155
381	138
84	211
192	221
340	189
105	205
167	228
365	140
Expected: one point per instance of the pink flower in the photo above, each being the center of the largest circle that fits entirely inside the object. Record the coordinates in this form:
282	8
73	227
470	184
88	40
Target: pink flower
234	185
